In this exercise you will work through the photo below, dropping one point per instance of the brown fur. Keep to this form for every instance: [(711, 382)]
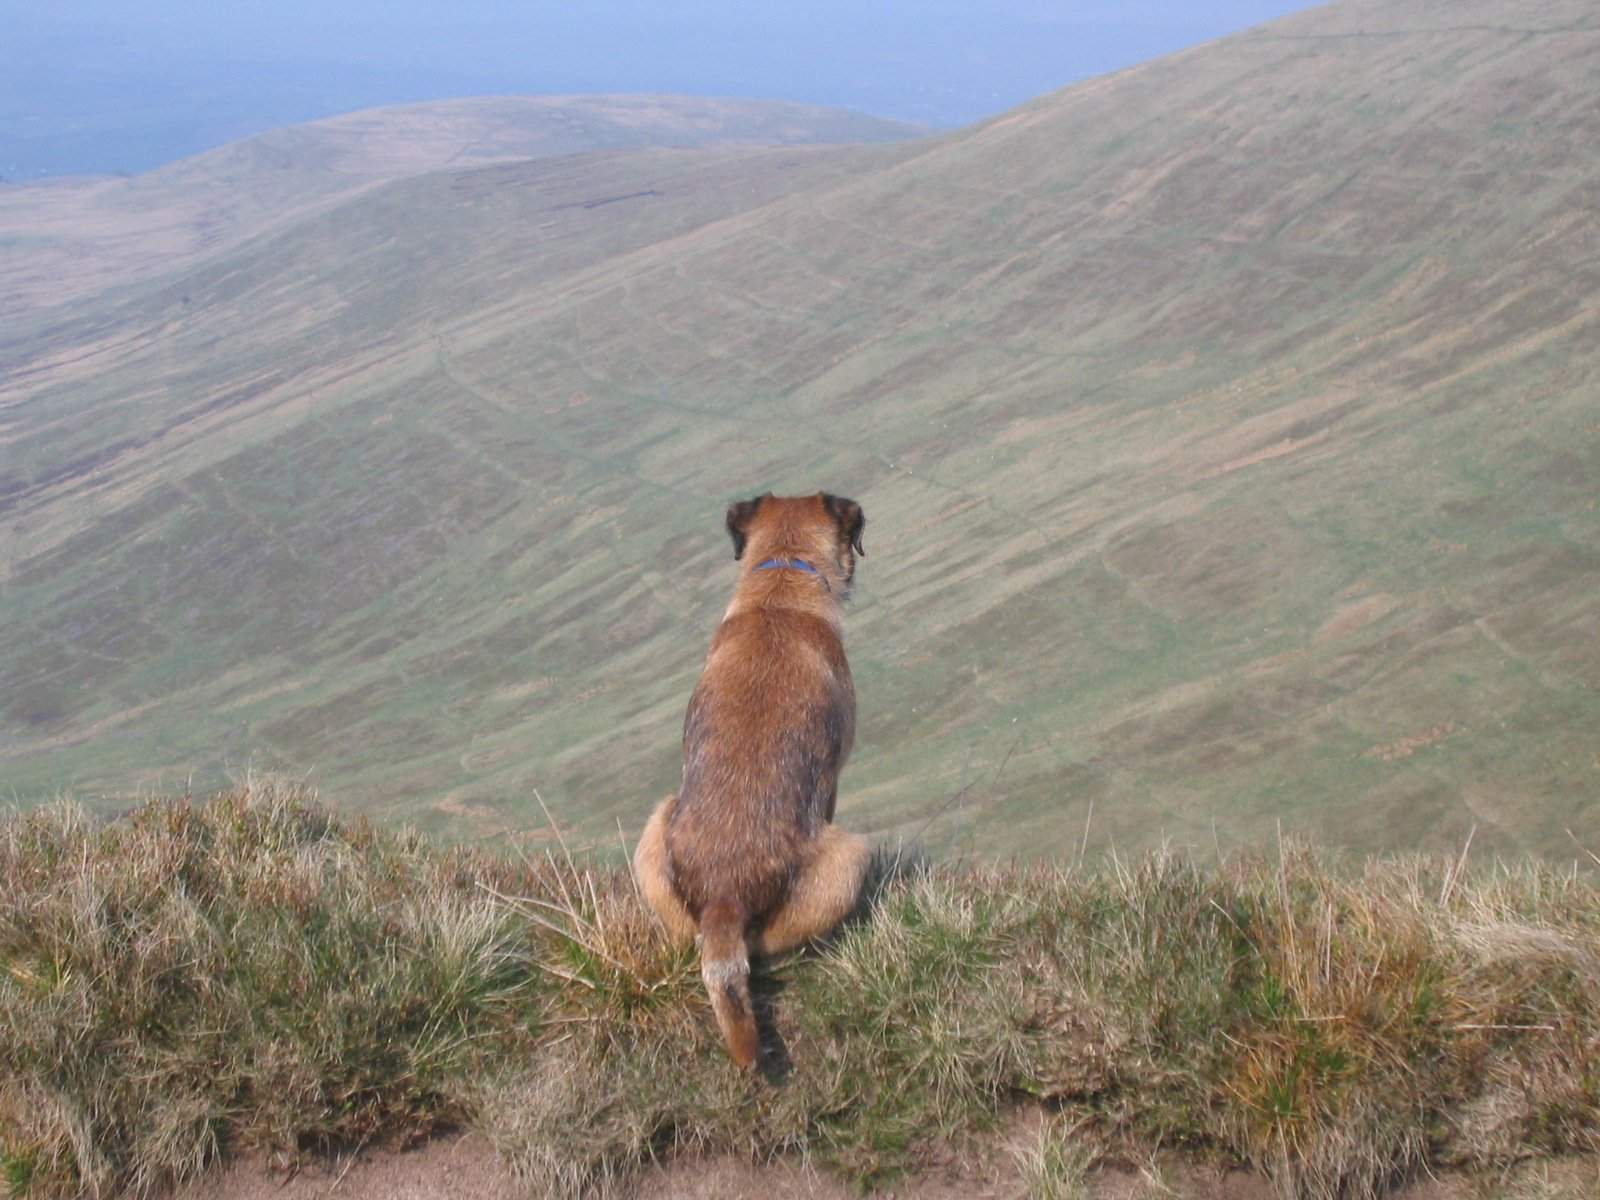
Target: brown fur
[(745, 854)]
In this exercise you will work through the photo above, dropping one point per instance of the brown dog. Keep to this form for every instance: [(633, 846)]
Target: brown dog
[(745, 853)]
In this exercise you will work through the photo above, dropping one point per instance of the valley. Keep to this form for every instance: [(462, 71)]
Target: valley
[(1226, 429)]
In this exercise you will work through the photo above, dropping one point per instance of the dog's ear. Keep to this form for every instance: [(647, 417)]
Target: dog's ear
[(739, 517), (847, 515)]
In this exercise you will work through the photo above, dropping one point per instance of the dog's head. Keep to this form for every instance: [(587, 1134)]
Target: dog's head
[(818, 530)]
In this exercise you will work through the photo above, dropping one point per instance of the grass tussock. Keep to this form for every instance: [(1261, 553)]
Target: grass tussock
[(252, 972)]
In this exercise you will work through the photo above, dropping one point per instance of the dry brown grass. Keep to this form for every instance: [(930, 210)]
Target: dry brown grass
[(252, 972)]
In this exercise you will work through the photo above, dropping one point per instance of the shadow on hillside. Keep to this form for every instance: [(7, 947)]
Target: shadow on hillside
[(889, 865), (774, 1062)]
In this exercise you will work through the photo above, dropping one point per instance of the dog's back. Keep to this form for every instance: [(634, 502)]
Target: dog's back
[(766, 735)]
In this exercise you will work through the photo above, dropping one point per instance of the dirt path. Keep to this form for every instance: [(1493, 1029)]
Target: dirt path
[(465, 1167), (446, 1168)]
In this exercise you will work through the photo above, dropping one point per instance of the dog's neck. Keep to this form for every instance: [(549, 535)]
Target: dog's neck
[(786, 581), (793, 564)]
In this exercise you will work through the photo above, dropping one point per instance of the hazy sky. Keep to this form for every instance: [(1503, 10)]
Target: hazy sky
[(104, 85)]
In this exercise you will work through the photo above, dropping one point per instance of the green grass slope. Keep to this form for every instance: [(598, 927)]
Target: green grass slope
[(252, 973), (70, 237), (1226, 429)]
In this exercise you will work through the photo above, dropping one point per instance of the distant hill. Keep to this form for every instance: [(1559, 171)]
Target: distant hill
[(1226, 429), (65, 238)]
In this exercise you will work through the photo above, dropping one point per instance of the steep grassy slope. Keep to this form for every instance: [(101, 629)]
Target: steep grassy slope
[(1226, 429), (67, 238), (112, 404)]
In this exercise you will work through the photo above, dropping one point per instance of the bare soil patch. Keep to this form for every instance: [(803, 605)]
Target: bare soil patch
[(466, 1167), (462, 1167)]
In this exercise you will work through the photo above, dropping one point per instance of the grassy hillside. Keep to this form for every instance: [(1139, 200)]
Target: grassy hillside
[(71, 237), (253, 973), (1226, 430)]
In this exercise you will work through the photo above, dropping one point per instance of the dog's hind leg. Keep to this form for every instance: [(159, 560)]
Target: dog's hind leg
[(655, 879), (822, 894)]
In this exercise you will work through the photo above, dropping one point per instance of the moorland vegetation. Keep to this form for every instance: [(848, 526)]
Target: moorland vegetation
[(251, 971)]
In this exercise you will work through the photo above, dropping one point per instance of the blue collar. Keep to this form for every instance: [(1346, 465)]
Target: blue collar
[(779, 564)]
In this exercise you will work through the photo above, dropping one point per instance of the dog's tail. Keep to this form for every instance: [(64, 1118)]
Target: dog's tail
[(725, 967)]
